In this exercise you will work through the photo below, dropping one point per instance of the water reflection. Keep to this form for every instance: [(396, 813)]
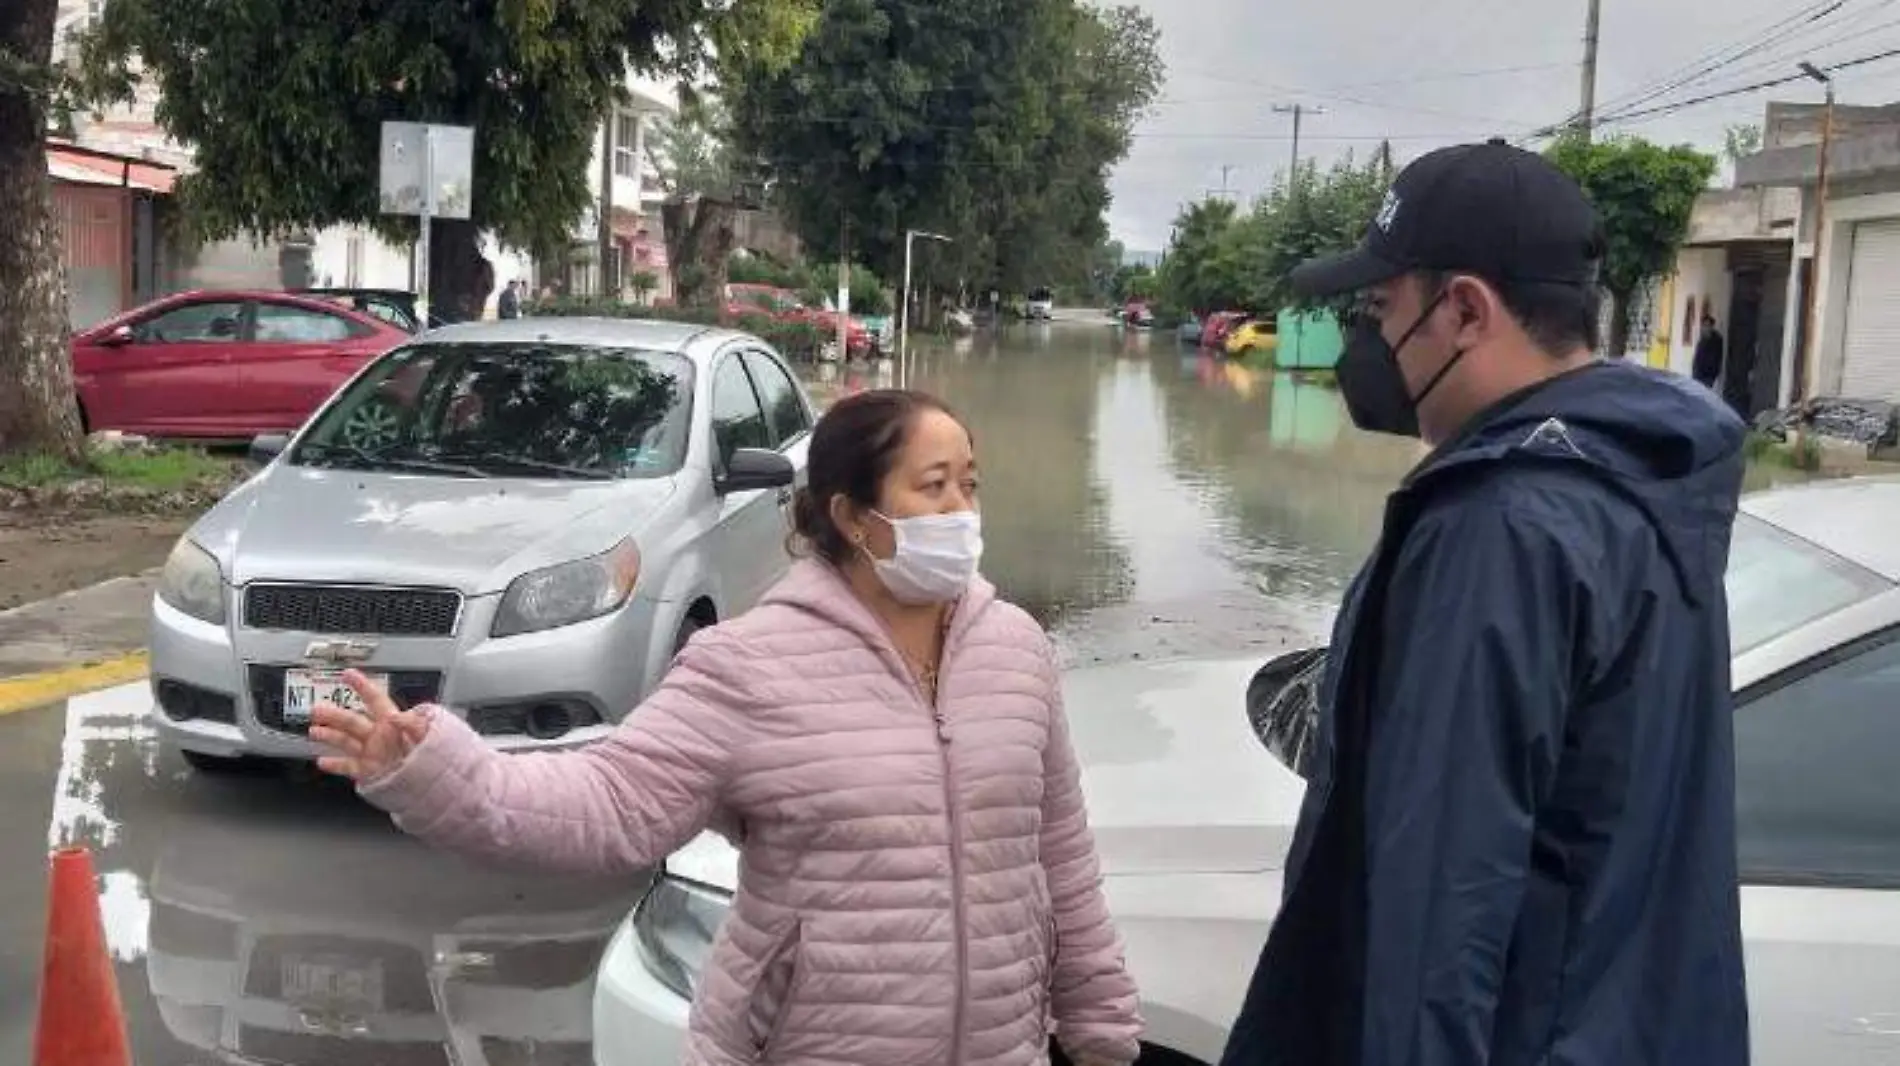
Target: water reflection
[(386, 952), (1145, 499)]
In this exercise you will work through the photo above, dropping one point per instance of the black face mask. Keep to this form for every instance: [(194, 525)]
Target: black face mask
[(1374, 386)]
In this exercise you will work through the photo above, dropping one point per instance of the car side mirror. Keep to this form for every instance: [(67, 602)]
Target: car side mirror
[(751, 469), (1283, 704), (118, 338), (266, 447)]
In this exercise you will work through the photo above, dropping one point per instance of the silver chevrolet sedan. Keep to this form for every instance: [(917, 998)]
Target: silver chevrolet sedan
[(523, 521)]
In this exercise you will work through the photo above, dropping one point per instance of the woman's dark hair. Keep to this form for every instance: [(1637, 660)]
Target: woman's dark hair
[(853, 448)]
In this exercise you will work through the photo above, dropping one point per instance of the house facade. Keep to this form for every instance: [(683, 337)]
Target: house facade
[(352, 256), (1851, 346)]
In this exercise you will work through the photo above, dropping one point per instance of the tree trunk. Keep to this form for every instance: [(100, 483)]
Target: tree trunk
[(700, 237), (38, 412), (461, 279), (1619, 324)]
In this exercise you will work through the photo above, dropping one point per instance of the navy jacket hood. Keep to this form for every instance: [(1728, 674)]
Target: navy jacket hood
[(1670, 445)]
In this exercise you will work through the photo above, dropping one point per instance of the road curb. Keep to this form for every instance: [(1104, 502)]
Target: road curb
[(52, 686)]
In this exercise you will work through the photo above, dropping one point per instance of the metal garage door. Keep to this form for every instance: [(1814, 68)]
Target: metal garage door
[(1871, 354)]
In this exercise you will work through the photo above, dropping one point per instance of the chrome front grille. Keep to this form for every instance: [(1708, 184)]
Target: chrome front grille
[(350, 610)]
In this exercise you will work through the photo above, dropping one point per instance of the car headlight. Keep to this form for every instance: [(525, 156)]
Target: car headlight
[(674, 927), (569, 593), (192, 583)]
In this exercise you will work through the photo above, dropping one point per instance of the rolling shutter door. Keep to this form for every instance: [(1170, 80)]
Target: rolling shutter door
[(1871, 352)]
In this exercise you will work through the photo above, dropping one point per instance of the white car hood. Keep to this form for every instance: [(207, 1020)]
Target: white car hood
[(1176, 780)]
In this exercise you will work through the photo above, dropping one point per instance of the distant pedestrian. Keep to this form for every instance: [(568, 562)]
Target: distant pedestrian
[(1518, 846), (509, 304), (884, 740), (1710, 353)]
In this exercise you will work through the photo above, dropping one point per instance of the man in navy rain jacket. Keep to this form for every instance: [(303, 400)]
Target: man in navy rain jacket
[(1518, 845)]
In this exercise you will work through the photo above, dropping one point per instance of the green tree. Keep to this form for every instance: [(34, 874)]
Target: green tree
[(992, 121), (705, 182), (37, 411), (1740, 140), (1645, 194), (283, 101), (1224, 260)]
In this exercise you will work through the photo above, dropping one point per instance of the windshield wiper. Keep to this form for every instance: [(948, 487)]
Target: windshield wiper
[(405, 464), (523, 462)]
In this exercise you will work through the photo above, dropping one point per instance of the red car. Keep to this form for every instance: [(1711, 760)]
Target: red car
[(1216, 327), (222, 365), (784, 305)]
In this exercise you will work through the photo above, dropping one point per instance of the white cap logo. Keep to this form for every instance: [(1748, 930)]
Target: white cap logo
[(1388, 212)]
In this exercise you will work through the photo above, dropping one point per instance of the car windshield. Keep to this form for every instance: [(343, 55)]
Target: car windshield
[(1778, 582), (510, 410)]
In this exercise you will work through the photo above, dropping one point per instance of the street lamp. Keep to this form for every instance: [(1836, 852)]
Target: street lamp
[(1810, 354), (903, 312)]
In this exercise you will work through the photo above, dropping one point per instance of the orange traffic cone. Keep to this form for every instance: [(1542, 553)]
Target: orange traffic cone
[(81, 1022)]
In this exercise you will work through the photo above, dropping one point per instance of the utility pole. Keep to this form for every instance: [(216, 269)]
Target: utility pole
[(1223, 192), (903, 307), (844, 291), (1587, 107), (1298, 111), (1811, 353)]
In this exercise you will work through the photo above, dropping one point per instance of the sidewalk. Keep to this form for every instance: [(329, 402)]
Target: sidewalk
[(81, 640)]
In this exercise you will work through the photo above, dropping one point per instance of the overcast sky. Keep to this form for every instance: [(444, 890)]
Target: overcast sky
[(1434, 72)]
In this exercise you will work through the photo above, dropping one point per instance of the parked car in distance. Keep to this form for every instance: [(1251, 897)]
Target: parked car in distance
[(1252, 335), (520, 520), (785, 306), (1194, 775), (221, 365), (1041, 306), (1137, 313), (394, 306), (1189, 331), (1216, 327)]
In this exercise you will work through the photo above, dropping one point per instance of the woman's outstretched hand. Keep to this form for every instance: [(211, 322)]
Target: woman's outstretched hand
[(366, 745)]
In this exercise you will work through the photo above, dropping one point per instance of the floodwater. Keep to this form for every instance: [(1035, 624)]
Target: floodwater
[(1148, 500)]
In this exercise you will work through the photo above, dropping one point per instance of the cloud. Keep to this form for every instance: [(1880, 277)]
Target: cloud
[(1433, 72)]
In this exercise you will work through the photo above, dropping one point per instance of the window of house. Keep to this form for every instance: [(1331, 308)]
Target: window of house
[(627, 145)]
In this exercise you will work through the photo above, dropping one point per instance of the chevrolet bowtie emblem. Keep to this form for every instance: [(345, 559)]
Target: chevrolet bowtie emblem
[(340, 652)]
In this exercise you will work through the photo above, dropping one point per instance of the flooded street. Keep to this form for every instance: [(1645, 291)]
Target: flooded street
[(1143, 500)]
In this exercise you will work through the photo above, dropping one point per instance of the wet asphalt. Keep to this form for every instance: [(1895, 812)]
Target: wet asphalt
[(217, 893)]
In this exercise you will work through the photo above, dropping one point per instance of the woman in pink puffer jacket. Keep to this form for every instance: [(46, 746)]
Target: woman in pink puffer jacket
[(885, 740)]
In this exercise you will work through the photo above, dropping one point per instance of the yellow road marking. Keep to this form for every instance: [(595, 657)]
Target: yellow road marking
[(37, 690)]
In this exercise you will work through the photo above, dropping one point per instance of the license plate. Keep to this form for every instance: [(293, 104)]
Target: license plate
[(332, 984), (304, 689)]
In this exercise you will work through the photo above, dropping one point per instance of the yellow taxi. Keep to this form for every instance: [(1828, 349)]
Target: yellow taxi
[(1253, 335)]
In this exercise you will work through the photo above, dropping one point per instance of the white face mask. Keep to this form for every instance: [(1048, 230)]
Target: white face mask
[(936, 557)]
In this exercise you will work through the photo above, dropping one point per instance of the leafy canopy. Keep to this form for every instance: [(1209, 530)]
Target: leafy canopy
[(283, 100), (991, 121), (1644, 193)]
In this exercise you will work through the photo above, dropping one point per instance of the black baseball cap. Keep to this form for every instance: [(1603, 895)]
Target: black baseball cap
[(1489, 209)]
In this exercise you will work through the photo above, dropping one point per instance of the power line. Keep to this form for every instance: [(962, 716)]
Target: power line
[(1671, 108), (1676, 77), (1775, 37), (1817, 46)]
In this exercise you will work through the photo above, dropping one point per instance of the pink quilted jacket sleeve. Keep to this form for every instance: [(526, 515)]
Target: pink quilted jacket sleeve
[(619, 805), (1096, 1005)]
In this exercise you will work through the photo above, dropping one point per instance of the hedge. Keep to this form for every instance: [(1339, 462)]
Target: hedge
[(800, 341)]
